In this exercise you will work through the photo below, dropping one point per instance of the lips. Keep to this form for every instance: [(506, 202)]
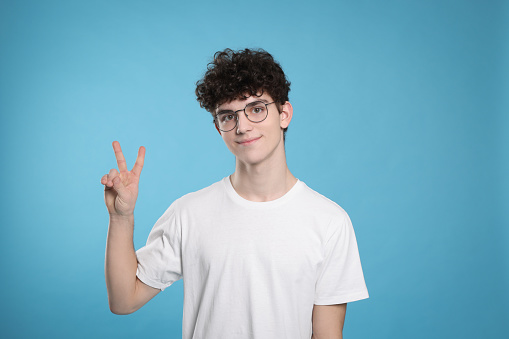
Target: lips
[(247, 141)]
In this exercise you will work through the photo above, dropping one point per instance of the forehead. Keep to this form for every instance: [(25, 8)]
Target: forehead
[(240, 103)]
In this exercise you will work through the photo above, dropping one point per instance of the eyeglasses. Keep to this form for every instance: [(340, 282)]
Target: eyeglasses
[(255, 111)]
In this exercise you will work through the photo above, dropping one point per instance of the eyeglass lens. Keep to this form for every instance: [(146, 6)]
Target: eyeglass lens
[(255, 111)]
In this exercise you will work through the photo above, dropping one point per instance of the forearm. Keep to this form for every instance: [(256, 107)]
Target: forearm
[(120, 264)]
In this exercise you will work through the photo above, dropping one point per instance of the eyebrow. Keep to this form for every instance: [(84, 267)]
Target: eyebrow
[(254, 101)]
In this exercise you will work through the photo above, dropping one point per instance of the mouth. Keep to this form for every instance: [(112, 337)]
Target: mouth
[(247, 141)]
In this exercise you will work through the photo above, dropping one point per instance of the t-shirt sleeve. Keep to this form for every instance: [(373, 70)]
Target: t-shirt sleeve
[(340, 277), (160, 260)]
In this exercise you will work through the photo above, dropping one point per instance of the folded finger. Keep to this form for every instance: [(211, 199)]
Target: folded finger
[(112, 175), (119, 187)]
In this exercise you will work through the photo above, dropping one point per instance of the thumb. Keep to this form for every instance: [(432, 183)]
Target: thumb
[(119, 186)]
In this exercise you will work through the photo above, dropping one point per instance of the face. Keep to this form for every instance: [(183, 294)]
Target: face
[(255, 142)]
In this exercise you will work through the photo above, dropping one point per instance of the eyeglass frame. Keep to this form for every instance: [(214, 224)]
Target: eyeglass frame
[(247, 116)]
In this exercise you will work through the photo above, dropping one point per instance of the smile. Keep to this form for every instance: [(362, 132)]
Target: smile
[(248, 141)]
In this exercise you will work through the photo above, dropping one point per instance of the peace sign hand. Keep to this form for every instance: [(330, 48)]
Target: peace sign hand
[(121, 188)]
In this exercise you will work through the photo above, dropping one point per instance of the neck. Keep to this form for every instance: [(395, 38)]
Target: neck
[(265, 181)]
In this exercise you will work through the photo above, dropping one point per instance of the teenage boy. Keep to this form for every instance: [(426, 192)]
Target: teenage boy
[(262, 255)]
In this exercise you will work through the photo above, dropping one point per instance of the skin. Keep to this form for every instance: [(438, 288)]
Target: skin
[(121, 187), (126, 293), (328, 321)]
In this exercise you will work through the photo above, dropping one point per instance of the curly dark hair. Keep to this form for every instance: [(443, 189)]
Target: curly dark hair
[(239, 74)]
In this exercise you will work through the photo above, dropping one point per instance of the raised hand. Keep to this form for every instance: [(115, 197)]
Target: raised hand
[(121, 187)]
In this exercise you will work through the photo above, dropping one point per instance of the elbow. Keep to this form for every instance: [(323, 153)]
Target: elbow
[(118, 311), (121, 309)]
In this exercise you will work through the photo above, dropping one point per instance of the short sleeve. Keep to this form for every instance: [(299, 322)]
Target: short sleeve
[(160, 260), (340, 277)]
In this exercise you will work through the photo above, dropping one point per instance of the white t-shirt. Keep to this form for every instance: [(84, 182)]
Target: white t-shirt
[(253, 269)]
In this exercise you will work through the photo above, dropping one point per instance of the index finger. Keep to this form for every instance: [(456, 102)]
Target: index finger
[(122, 166), (138, 165)]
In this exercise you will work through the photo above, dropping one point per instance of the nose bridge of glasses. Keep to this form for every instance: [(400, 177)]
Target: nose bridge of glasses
[(242, 119), (237, 112)]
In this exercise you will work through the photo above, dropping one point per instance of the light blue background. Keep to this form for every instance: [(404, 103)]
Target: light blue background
[(400, 116)]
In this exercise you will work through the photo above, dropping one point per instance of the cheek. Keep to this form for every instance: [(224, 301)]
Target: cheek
[(228, 142)]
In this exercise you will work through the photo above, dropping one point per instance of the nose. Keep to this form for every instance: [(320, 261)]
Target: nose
[(243, 124)]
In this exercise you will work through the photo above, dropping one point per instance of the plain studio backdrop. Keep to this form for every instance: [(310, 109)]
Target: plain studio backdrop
[(401, 116)]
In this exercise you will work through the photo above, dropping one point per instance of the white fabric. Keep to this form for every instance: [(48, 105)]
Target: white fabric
[(253, 269)]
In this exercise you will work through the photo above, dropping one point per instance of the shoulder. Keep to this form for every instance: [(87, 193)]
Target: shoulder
[(320, 203), (201, 197), (337, 219)]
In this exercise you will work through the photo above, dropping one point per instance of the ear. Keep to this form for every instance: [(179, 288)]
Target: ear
[(286, 114)]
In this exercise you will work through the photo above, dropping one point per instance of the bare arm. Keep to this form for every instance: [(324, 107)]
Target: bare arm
[(328, 321), (126, 293)]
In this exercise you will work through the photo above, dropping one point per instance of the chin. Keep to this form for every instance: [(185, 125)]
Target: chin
[(250, 160), (253, 158)]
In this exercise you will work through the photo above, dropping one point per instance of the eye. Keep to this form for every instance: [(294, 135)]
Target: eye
[(225, 117), (257, 108)]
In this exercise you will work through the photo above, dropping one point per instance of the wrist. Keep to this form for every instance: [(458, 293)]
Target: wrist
[(121, 217)]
